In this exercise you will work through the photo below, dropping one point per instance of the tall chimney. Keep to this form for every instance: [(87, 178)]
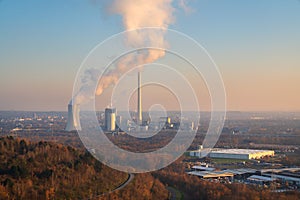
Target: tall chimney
[(139, 106)]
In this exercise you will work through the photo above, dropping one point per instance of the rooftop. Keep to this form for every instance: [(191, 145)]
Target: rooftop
[(241, 171), (261, 178), (208, 174), (295, 169), (203, 168), (239, 151)]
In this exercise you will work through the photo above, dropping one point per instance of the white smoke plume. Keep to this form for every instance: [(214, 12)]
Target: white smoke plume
[(136, 14), (86, 91)]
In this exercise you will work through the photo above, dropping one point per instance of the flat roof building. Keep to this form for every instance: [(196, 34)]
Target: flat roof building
[(285, 178), (260, 179), (245, 154), (202, 168), (209, 174)]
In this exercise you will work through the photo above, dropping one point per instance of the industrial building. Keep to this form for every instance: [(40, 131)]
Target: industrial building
[(210, 175), (203, 168), (245, 154), (200, 152), (278, 180), (110, 119), (197, 153), (260, 180), (290, 175), (248, 175)]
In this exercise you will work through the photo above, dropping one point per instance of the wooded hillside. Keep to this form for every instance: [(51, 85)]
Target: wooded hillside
[(46, 170)]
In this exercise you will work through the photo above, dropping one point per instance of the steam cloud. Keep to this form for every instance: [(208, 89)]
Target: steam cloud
[(135, 14)]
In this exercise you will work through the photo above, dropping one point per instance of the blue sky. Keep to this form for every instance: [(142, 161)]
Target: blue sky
[(256, 45)]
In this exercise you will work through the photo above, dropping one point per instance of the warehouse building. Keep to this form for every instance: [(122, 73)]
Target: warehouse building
[(211, 175), (245, 154), (261, 180)]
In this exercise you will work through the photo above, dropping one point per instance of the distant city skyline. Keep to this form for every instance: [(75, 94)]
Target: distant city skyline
[(254, 43)]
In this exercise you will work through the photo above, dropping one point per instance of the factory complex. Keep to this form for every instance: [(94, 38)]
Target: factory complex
[(248, 175)]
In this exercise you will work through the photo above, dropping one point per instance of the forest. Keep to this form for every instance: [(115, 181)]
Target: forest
[(47, 170)]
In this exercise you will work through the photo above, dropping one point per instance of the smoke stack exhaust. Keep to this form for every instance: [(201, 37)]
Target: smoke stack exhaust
[(73, 123), (139, 106)]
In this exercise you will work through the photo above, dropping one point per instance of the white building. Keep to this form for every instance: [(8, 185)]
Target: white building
[(245, 154), (198, 153)]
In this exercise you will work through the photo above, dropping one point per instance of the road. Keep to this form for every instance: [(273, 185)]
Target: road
[(129, 179), (173, 193)]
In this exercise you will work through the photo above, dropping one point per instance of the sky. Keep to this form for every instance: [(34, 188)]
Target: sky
[(256, 45)]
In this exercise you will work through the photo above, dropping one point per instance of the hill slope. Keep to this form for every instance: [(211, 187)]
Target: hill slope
[(47, 170)]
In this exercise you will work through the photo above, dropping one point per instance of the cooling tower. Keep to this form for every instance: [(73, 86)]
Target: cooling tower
[(139, 106), (73, 118)]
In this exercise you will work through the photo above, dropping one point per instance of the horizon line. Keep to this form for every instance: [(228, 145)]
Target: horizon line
[(242, 111)]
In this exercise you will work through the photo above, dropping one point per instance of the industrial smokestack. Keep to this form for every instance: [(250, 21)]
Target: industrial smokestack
[(73, 123), (139, 106)]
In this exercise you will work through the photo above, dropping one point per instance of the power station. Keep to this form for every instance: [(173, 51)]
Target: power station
[(111, 118), (112, 121)]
